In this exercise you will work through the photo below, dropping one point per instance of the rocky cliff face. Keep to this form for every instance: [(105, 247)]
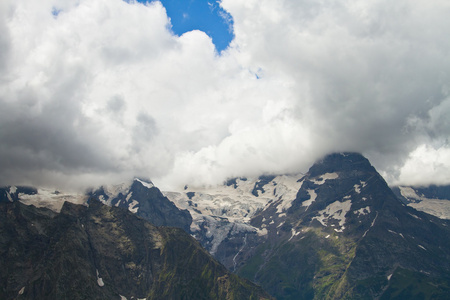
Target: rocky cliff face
[(102, 252), (222, 214), (146, 201), (346, 235)]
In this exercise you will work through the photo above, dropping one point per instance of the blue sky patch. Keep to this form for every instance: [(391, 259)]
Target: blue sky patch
[(203, 15)]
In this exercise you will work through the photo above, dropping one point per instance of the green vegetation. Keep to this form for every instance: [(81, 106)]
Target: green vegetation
[(252, 266), (406, 284), (66, 258), (308, 268)]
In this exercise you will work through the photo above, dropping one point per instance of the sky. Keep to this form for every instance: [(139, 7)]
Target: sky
[(207, 16), (99, 91)]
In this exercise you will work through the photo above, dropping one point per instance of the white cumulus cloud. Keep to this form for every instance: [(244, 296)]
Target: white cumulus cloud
[(99, 90)]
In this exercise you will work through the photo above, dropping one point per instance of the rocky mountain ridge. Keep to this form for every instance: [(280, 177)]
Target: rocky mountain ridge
[(346, 235), (222, 215), (146, 201), (103, 252), (337, 231)]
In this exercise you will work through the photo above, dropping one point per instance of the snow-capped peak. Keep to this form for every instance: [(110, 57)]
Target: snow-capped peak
[(148, 184)]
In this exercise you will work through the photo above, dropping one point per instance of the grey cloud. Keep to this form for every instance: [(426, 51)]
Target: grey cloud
[(131, 98), (143, 132), (116, 104), (370, 68), (55, 138)]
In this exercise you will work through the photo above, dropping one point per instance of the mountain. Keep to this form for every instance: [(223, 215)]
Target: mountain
[(103, 252), (222, 214), (336, 232), (11, 193), (219, 217), (146, 201), (347, 236), (433, 199), (40, 197)]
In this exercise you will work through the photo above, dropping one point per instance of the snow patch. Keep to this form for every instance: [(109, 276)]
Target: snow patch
[(409, 193), (414, 216), (327, 176), (437, 207), (389, 277), (51, 199), (327, 236), (312, 198), (99, 280), (371, 225), (148, 185), (262, 232), (129, 196), (224, 209), (294, 233), (9, 197), (358, 187), (123, 297), (373, 222), (224, 201), (208, 205), (112, 191), (12, 190), (362, 211), (420, 246), (286, 190), (22, 290), (133, 206), (336, 210)]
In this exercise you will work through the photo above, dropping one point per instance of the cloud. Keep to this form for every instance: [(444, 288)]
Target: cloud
[(361, 70), (103, 90), (426, 165)]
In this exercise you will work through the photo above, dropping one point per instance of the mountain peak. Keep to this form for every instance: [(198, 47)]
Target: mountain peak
[(145, 200), (344, 161), (145, 182), (350, 236)]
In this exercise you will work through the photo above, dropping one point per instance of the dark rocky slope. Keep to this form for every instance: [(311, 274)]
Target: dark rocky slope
[(347, 236), (102, 252), (148, 202)]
